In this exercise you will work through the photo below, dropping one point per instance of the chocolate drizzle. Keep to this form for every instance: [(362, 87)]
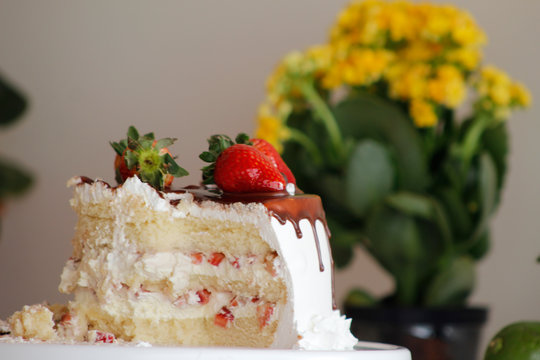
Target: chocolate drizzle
[(298, 207), (281, 205)]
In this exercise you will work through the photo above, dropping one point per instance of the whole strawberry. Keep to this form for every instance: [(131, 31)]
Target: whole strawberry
[(244, 166), (147, 158)]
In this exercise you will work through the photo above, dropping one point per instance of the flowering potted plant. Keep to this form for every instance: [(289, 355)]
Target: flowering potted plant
[(369, 120)]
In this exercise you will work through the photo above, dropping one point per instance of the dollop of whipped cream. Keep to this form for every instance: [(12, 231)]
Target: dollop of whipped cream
[(327, 333)]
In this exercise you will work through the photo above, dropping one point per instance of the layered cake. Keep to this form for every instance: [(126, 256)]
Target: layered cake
[(243, 260)]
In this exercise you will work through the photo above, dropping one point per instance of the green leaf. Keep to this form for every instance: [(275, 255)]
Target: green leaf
[(395, 240), (173, 168), (13, 180), (154, 179), (133, 133), (131, 159), (412, 204), (452, 285), (118, 148), (12, 103), (163, 143), (242, 138), (208, 157), (495, 142), (369, 176), (365, 116), (481, 247), (487, 190), (457, 212), (146, 143), (425, 207), (149, 135)]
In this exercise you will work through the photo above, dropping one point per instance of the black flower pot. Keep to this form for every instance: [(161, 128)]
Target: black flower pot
[(429, 333)]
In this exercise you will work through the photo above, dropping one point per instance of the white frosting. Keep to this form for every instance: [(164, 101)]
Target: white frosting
[(319, 326), (330, 332), (308, 320)]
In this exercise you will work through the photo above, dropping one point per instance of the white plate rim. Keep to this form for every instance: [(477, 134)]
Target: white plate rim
[(45, 351)]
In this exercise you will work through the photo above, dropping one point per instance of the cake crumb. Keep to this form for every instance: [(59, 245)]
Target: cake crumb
[(35, 321)]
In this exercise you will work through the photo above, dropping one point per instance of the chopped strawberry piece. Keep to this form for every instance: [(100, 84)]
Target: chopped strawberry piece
[(235, 263), (196, 258), (104, 337), (66, 318), (255, 299), (264, 313), (237, 301), (180, 301), (224, 317), (271, 269), (204, 296), (216, 258)]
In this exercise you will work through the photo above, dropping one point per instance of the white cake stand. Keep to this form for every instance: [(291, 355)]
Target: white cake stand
[(363, 351)]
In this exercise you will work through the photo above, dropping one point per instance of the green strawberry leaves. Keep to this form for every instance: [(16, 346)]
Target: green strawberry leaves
[(148, 158)]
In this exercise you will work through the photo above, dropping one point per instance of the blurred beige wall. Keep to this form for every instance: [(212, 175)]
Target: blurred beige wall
[(190, 69)]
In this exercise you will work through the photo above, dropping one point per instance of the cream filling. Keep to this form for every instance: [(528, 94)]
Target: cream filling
[(160, 285), (156, 306), (105, 272)]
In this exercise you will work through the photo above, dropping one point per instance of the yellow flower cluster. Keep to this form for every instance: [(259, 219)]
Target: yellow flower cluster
[(380, 23), (498, 93), (430, 50), (422, 55)]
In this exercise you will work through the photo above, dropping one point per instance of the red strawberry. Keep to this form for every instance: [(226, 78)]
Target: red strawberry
[(121, 168), (216, 258), (224, 317), (204, 296), (66, 318), (235, 263), (104, 337), (244, 165), (242, 168), (264, 313), (196, 258), (267, 149)]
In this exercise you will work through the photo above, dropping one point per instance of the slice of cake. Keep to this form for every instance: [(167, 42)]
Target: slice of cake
[(196, 266)]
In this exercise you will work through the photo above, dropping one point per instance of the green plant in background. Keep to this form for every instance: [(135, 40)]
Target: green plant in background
[(369, 122), (14, 180)]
